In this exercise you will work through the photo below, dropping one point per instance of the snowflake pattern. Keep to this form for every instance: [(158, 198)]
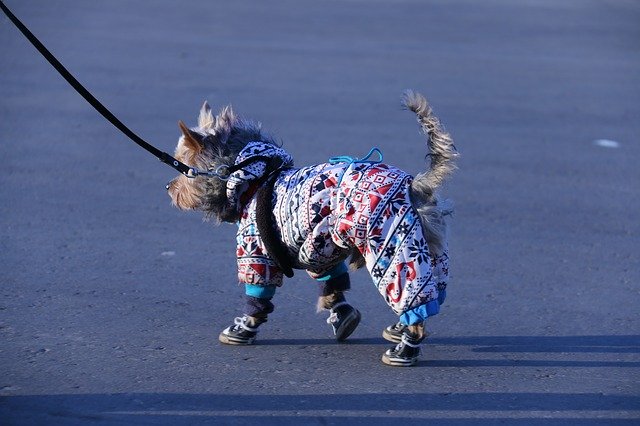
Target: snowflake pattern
[(420, 252)]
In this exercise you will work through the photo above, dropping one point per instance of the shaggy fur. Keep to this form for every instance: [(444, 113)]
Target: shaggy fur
[(423, 189), (216, 141)]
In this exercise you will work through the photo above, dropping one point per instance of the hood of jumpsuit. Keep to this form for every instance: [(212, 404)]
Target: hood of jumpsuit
[(242, 179)]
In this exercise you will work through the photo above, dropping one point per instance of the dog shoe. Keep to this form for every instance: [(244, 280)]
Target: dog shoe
[(393, 333), (242, 332), (405, 354), (344, 318)]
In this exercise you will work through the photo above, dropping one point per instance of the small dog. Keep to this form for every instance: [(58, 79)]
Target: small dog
[(317, 217)]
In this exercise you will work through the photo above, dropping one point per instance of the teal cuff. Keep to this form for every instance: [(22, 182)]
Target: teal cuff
[(336, 271), (261, 292)]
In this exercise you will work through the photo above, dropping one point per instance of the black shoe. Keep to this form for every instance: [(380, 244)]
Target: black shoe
[(243, 332), (344, 318), (405, 354), (393, 333)]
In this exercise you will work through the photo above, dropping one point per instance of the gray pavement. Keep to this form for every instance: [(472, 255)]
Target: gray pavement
[(112, 300)]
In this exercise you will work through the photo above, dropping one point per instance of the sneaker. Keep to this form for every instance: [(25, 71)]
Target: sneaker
[(405, 354), (243, 332), (344, 318), (393, 333)]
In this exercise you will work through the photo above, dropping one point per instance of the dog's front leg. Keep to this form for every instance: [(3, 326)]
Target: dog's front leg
[(257, 308)]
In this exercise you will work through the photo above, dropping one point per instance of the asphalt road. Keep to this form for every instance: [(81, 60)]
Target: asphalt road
[(112, 300)]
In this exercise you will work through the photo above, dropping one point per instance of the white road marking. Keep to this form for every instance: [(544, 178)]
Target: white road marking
[(606, 143), (604, 414)]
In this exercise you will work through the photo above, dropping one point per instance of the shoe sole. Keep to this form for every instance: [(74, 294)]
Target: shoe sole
[(399, 362), (348, 326), (227, 340)]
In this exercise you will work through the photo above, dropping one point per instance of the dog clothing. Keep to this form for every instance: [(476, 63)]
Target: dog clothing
[(324, 211)]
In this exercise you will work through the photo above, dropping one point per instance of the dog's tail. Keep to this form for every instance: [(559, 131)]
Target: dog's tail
[(441, 148), (442, 152)]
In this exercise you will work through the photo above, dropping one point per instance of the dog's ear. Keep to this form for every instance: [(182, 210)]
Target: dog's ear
[(192, 140), (206, 120), (225, 122)]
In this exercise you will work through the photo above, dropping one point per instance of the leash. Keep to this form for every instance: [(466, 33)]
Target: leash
[(190, 172)]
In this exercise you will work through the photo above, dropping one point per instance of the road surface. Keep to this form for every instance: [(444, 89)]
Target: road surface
[(112, 300)]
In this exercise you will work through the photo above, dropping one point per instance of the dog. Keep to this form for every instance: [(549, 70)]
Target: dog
[(318, 217)]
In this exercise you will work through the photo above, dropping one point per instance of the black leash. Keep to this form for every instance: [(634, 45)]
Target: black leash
[(162, 156)]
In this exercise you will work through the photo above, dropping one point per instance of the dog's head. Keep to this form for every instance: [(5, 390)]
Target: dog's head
[(216, 141)]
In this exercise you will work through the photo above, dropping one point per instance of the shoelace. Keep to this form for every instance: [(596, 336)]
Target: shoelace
[(333, 316), (242, 323), (405, 341), (398, 327)]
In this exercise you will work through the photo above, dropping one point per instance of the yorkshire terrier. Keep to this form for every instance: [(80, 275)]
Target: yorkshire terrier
[(317, 217)]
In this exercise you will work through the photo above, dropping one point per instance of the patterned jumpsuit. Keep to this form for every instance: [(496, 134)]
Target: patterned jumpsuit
[(325, 210)]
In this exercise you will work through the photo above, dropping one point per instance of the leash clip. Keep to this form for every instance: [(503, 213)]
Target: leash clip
[(222, 173)]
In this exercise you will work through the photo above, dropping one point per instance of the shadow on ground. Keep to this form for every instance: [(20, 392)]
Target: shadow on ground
[(460, 408), (172, 408), (566, 345), (553, 344), (358, 402)]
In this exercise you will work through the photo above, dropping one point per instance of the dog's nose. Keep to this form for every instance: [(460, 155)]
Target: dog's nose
[(168, 186)]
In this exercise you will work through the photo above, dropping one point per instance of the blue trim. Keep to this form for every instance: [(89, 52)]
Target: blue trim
[(261, 292), (421, 313), (442, 295), (336, 271)]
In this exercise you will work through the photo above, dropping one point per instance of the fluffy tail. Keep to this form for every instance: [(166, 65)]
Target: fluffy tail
[(432, 211), (441, 148)]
